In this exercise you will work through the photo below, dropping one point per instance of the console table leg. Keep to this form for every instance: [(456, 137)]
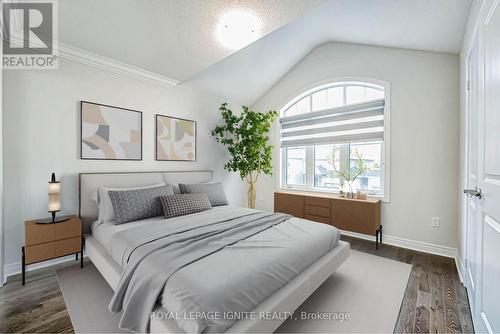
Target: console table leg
[(23, 266), (76, 256), (81, 253), (378, 237)]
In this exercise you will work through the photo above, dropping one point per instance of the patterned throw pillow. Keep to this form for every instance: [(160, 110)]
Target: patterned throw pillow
[(214, 191), (184, 204), (130, 205)]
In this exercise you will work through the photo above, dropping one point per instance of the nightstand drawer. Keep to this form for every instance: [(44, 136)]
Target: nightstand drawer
[(40, 252), (68, 246), (71, 228), (39, 233)]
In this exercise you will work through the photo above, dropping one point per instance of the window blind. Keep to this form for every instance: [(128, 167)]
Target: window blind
[(353, 123)]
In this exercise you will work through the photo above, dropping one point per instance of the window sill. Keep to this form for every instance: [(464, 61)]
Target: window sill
[(316, 191)]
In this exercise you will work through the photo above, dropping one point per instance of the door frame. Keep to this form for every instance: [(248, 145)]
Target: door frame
[(465, 207), (2, 243)]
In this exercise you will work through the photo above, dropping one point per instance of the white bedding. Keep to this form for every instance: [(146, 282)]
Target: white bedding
[(237, 270), (104, 231), (238, 276)]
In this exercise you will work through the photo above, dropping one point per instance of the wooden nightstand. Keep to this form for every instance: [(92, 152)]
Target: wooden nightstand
[(48, 241)]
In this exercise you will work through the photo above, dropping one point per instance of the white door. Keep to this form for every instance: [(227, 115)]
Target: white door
[(485, 222), (472, 147)]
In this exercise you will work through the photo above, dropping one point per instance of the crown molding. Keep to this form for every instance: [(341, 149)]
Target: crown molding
[(69, 52), (84, 57)]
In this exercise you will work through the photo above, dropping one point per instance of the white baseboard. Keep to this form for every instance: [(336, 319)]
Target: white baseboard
[(460, 267), (16, 268), (409, 244)]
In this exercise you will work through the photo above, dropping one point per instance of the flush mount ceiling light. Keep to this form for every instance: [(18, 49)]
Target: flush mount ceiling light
[(236, 29)]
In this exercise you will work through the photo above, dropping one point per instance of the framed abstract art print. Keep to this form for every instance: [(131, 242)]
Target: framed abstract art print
[(110, 133), (175, 139)]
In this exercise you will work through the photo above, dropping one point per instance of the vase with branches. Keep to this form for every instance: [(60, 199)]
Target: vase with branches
[(246, 138), (347, 172)]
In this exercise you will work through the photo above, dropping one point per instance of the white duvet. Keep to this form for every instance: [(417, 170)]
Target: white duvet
[(208, 294)]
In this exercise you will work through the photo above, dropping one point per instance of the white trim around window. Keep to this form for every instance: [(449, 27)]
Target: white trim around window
[(280, 155)]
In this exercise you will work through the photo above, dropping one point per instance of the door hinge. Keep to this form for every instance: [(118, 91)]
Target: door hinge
[(468, 84)]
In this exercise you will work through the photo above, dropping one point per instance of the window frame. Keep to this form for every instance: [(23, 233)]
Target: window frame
[(285, 172), (311, 92), (310, 158)]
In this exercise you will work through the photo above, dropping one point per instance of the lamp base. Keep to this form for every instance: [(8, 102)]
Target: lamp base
[(53, 220)]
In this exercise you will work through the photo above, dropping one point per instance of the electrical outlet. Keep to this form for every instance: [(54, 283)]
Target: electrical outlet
[(436, 222)]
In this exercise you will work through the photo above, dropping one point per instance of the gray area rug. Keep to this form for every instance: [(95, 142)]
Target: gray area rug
[(364, 295)]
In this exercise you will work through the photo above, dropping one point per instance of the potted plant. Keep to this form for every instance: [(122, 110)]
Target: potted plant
[(348, 173), (246, 138)]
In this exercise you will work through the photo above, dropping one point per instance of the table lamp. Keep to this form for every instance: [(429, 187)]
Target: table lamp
[(54, 202)]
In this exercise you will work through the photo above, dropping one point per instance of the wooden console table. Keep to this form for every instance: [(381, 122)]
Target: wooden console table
[(349, 214)]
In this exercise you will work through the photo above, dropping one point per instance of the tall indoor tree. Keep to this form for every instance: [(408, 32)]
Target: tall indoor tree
[(246, 138)]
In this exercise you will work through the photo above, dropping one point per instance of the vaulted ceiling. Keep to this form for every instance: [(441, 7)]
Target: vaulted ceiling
[(176, 38), (429, 25)]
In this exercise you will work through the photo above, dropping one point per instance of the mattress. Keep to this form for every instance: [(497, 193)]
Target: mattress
[(239, 277), (104, 231)]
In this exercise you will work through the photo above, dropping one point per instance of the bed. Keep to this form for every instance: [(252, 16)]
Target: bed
[(219, 277)]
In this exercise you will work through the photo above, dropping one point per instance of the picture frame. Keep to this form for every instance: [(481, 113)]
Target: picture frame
[(175, 138), (110, 133)]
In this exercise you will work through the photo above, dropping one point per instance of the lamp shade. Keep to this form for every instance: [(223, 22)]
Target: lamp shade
[(54, 188), (54, 202), (54, 194)]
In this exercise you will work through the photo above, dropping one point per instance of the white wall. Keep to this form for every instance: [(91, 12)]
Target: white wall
[(41, 135), (424, 131)]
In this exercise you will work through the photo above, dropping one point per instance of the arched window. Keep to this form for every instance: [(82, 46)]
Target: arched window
[(329, 128), (332, 96)]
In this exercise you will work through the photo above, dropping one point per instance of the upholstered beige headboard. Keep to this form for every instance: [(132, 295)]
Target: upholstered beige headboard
[(89, 182)]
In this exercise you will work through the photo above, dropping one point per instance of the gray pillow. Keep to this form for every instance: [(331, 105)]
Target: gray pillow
[(130, 205), (214, 191), (184, 204)]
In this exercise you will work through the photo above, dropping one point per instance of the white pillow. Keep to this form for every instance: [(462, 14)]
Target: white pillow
[(106, 212), (95, 197)]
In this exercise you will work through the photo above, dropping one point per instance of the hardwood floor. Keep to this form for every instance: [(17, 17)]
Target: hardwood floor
[(435, 301), (37, 307)]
